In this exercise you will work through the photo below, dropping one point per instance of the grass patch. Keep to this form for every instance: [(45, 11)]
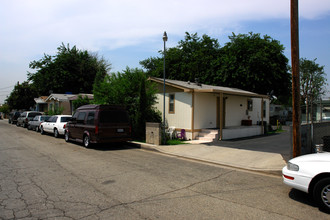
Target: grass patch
[(276, 131)]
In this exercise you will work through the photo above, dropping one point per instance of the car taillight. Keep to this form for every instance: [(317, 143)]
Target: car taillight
[(64, 126), (96, 129)]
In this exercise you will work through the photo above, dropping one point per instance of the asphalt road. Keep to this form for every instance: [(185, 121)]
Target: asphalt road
[(42, 177)]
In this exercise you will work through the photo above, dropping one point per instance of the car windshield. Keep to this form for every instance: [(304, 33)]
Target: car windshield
[(113, 116), (65, 119), (44, 118), (33, 114)]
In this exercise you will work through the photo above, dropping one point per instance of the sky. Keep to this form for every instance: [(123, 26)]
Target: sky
[(126, 32)]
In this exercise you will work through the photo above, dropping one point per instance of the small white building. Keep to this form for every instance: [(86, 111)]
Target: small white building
[(201, 109)]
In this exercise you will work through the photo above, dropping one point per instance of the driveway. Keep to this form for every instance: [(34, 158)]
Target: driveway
[(274, 143)]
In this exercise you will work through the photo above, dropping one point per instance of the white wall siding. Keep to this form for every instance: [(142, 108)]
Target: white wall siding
[(182, 113), (205, 110), (235, 110), (256, 113)]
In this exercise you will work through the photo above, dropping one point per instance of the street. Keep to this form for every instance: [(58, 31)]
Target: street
[(42, 177)]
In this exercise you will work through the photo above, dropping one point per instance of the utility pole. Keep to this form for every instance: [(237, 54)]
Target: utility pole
[(296, 135)]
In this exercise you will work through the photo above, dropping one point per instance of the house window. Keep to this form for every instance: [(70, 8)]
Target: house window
[(172, 104), (250, 105), (56, 106), (50, 107)]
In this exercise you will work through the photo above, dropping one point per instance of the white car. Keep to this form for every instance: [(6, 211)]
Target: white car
[(311, 174), (55, 125)]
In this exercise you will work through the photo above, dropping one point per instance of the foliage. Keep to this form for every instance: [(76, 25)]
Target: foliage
[(132, 89), (312, 82), (194, 57), (22, 96), (5, 108), (174, 142), (81, 101), (57, 111), (70, 70), (247, 62), (256, 64)]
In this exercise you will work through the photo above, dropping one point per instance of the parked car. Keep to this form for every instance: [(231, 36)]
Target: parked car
[(35, 123), (13, 116), (25, 117), (55, 124), (310, 174), (99, 124)]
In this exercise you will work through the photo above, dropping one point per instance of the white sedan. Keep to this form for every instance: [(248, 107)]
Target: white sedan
[(55, 125), (311, 174)]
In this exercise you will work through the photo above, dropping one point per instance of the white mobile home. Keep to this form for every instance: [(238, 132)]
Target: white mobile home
[(199, 108)]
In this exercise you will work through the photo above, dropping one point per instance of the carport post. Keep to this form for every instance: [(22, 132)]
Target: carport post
[(262, 115), (221, 116)]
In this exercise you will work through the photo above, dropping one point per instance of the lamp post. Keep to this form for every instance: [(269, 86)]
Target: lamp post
[(164, 135)]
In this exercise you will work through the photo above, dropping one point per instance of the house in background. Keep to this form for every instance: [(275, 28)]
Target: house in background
[(212, 112), (58, 101), (75, 97), (41, 104)]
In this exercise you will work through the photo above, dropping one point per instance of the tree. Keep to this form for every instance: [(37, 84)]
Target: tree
[(247, 62), (194, 57), (5, 108), (132, 89), (256, 64), (81, 101), (22, 96), (70, 70), (312, 83)]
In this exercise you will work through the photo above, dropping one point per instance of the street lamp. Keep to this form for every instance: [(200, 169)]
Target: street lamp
[(164, 135)]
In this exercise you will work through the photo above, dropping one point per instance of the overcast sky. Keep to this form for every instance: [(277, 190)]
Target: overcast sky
[(125, 32)]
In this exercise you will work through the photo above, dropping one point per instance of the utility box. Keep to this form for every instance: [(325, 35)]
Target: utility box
[(153, 133)]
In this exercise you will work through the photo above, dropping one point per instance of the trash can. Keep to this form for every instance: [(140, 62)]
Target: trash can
[(326, 143)]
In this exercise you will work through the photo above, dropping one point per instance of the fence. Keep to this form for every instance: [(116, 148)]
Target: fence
[(312, 135)]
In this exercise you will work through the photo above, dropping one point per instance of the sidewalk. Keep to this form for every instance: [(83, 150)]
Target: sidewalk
[(264, 154)]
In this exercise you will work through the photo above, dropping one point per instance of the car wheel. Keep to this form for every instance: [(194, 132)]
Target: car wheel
[(56, 134), (66, 136), (322, 193), (42, 130), (86, 141)]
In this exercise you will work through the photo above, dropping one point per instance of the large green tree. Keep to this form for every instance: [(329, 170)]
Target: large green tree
[(312, 82), (130, 88), (248, 61), (22, 96), (194, 57), (255, 63), (70, 70)]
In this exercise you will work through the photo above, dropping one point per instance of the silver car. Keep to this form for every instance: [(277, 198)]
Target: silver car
[(35, 123)]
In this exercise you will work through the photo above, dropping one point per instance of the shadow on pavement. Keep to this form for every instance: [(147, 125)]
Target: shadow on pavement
[(113, 146), (304, 198), (274, 143)]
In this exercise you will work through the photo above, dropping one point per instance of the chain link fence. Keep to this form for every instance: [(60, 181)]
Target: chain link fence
[(311, 135)]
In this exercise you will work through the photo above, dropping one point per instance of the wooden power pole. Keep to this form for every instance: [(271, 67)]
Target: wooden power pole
[(296, 135)]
